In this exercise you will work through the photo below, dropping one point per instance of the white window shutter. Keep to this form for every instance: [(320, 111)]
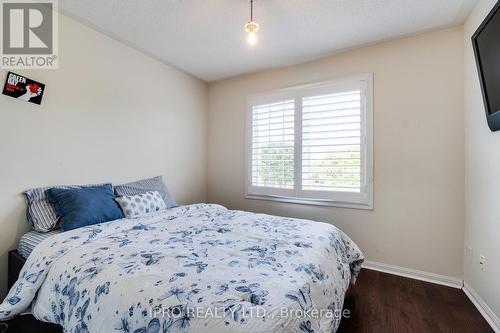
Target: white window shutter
[(331, 142), (313, 144), (272, 146)]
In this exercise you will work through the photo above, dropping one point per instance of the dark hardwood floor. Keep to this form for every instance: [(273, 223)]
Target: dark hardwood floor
[(387, 303), (382, 303)]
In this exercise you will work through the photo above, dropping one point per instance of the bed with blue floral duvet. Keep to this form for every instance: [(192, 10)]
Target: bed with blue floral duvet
[(196, 268)]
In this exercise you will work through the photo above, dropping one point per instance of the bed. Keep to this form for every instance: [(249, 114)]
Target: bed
[(196, 268)]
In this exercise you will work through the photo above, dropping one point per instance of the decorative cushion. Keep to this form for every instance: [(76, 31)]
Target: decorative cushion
[(40, 211), (80, 207), (140, 204), (146, 185)]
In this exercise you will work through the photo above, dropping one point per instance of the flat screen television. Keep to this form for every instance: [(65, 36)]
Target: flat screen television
[(486, 43)]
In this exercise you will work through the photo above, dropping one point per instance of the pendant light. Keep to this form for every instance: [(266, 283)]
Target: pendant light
[(251, 28)]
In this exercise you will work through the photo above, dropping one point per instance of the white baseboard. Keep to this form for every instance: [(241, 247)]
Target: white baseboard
[(483, 308), (414, 274)]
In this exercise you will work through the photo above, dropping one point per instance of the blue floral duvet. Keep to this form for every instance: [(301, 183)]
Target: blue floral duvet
[(197, 268)]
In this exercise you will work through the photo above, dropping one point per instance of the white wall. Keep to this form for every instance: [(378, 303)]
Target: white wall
[(418, 221), (109, 113), (482, 177)]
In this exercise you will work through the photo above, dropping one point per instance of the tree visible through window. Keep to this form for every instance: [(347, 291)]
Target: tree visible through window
[(276, 165), (337, 169)]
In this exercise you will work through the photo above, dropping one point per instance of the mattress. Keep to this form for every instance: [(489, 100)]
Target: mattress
[(31, 239)]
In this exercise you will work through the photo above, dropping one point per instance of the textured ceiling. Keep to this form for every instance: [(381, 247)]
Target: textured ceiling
[(206, 39)]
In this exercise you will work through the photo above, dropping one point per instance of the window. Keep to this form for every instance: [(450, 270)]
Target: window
[(312, 144)]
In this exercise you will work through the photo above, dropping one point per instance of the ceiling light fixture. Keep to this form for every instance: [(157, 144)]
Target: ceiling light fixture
[(251, 28)]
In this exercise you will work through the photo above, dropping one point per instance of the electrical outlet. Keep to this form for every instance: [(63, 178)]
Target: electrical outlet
[(468, 255), (482, 262)]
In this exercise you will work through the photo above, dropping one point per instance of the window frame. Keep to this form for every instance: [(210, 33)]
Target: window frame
[(361, 200)]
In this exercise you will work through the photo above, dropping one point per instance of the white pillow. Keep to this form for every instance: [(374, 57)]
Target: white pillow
[(140, 204)]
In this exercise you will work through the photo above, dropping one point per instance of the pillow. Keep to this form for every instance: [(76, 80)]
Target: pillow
[(145, 185), (40, 211), (79, 207), (140, 204)]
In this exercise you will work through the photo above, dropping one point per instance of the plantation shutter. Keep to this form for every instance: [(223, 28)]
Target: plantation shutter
[(331, 142), (273, 144), (313, 144)]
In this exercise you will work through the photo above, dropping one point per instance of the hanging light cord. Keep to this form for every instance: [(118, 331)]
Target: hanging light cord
[(251, 10)]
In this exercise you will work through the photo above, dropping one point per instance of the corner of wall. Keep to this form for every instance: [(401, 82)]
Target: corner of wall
[(482, 161)]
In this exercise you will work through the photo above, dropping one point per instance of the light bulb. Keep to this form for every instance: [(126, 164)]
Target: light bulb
[(252, 38)]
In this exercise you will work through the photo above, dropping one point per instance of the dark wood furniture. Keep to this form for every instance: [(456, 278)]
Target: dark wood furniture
[(16, 263)]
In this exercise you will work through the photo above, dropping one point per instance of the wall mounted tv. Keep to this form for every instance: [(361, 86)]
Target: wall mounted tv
[(486, 43)]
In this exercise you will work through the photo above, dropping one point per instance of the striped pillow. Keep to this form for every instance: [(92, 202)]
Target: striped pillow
[(40, 211), (146, 185)]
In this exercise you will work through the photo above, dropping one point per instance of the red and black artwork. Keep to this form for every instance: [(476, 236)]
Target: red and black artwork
[(22, 88)]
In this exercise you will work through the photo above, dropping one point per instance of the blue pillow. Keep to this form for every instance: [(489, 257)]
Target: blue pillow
[(79, 207)]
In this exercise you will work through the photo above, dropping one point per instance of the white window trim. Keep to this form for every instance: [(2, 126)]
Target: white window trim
[(293, 195)]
